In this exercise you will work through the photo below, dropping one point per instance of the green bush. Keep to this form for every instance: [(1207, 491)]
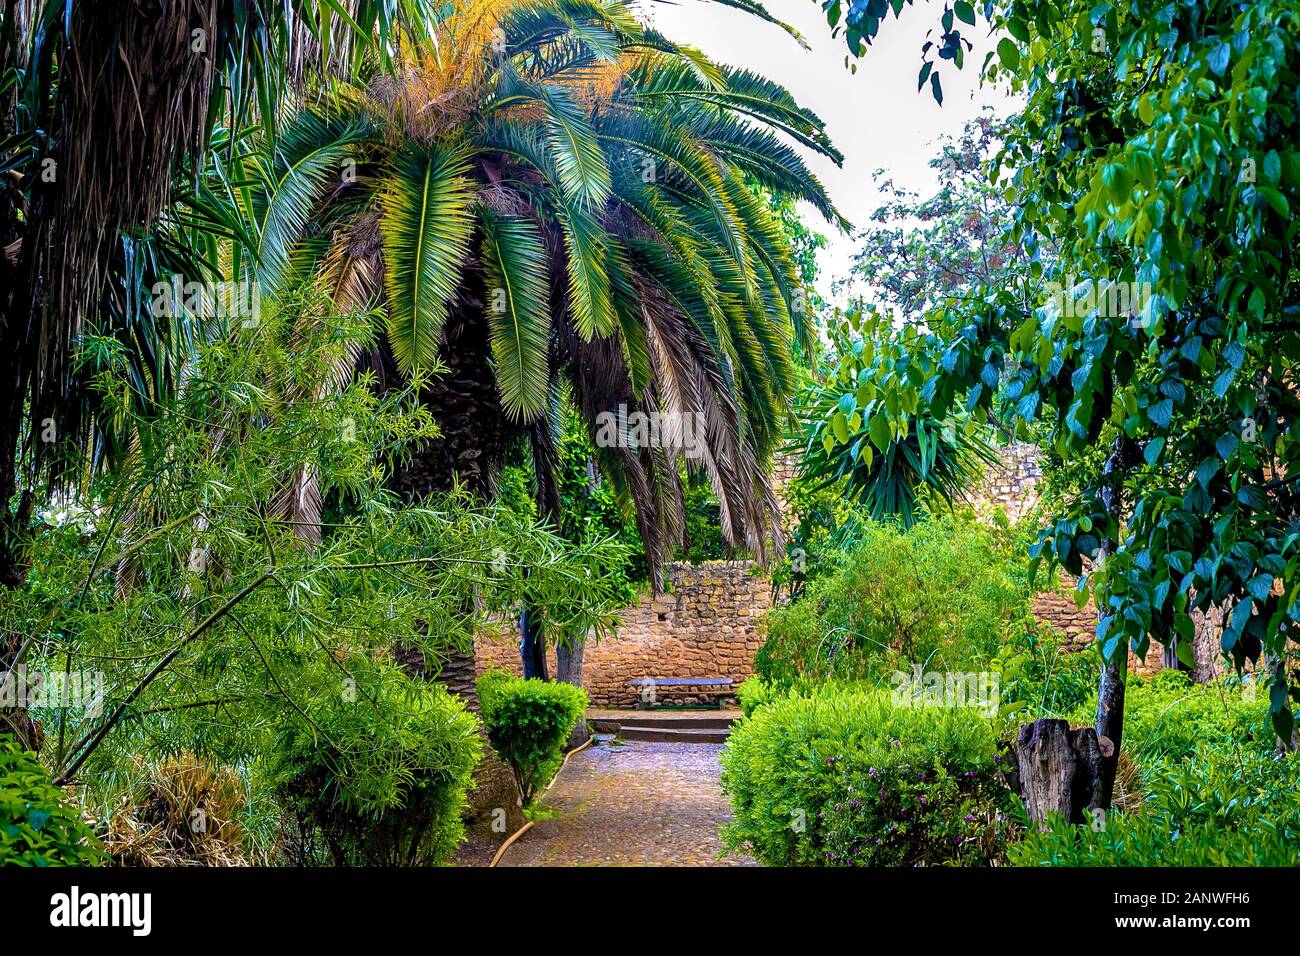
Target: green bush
[(377, 775), (528, 723), (1168, 716), (38, 827), (843, 776), (752, 693), (1043, 677), (1222, 807), (943, 593)]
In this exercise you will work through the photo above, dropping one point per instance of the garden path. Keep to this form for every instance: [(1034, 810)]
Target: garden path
[(635, 804)]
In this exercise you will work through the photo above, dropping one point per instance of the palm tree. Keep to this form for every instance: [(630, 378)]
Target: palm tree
[(554, 204)]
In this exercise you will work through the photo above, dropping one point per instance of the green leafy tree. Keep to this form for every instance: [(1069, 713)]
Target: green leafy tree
[(1156, 153), (210, 621)]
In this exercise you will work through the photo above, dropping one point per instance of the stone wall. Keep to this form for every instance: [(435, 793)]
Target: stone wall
[(1012, 483), (708, 625)]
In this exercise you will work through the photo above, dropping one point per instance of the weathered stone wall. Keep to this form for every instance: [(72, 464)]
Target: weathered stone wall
[(1012, 484), (708, 625)]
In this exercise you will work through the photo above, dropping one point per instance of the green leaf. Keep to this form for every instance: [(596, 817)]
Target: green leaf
[(965, 12), (1119, 182), (1151, 453), (840, 426), (1277, 200), (516, 269), (425, 231), (1009, 54), (879, 430)]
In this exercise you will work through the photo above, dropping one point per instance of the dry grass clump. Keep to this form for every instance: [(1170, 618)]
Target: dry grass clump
[(185, 815), (1128, 784)]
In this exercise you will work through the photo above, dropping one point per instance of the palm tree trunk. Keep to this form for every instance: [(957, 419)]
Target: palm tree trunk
[(475, 434), (532, 647)]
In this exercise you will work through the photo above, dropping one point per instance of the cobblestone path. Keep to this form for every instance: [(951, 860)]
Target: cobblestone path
[(639, 804)]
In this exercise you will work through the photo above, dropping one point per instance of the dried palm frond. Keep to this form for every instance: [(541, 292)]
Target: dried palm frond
[(185, 814)]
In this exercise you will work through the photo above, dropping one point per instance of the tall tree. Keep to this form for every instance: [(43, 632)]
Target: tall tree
[(1156, 151), (100, 104), (550, 206)]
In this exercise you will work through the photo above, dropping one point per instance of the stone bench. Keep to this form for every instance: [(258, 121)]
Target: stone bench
[(649, 689)]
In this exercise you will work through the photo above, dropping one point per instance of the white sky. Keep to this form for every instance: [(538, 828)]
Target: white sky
[(875, 117)]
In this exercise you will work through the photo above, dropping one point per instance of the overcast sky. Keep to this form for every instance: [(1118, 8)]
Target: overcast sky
[(875, 117)]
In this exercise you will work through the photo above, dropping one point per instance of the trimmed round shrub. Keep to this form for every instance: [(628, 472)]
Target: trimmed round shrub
[(378, 776), (38, 827), (528, 723), (844, 776)]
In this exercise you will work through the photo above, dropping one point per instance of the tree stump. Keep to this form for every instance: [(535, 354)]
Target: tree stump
[(1058, 770)]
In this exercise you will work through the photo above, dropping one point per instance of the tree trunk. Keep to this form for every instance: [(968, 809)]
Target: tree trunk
[(1110, 688), (1058, 770), (475, 433), (532, 647), (1110, 721), (568, 668)]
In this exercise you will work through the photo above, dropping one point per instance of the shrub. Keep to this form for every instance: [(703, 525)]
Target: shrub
[(1168, 716), (377, 777), (528, 723), (38, 827), (942, 593), (1042, 677), (752, 693), (1222, 807), (842, 776)]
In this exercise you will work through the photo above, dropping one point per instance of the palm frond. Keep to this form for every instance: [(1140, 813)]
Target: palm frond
[(426, 227), (516, 266)]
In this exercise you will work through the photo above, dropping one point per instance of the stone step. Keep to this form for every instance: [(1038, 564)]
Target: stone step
[(675, 735)]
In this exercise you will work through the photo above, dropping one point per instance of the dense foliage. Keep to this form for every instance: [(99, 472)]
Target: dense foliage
[(843, 776), (203, 609), (528, 723), (947, 591), (39, 826), (1155, 154), (1218, 810), (375, 774), (1207, 787)]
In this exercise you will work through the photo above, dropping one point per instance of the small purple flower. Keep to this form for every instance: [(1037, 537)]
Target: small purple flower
[(969, 818), (923, 798), (873, 772)]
